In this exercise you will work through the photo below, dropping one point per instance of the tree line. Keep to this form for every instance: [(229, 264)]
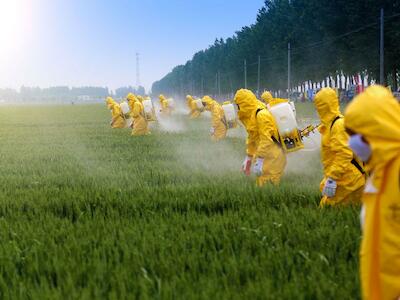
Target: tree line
[(327, 38)]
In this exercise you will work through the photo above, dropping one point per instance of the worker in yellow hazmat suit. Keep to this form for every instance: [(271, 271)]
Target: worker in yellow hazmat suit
[(271, 101), (166, 110), (194, 110), (140, 125), (117, 118), (344, 176), (263, 148), (218, 129), (373, 120)]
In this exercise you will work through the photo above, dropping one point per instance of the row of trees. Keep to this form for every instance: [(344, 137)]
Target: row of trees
[(65, 93), (327, 37)]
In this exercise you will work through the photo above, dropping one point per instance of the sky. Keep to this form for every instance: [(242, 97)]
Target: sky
[(94, 42)]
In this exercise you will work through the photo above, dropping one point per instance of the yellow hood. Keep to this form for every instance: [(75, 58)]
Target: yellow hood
[(131, 97), (131, 100), (189, 99), (162, 98), (261, 104), (247, 103), (327, 104), (110, 102), (375, 114), (266, 97), (208, 101)]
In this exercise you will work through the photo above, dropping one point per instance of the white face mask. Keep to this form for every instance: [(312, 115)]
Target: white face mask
[(360, 148)]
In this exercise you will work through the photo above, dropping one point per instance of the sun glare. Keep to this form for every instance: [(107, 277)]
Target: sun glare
[(13, 22)]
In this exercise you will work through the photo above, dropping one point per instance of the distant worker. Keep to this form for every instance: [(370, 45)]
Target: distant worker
[(195, 111), (263, 148), (140, 125), (117, 118), (218, 129), (344, 176), (166, 105), (373, 121), (271, 101)]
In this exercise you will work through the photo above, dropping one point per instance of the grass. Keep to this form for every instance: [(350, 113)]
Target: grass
[(90, 212)]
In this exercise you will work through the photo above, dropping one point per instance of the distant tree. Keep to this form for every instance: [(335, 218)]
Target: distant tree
[(323, 39), (140, 91)]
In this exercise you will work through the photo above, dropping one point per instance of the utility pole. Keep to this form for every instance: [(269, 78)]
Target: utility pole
[(381, 51), (258, 76), (288, 73), (137, 70), (245, 74)]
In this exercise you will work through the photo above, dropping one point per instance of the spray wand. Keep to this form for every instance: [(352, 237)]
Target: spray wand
[(308, 130)]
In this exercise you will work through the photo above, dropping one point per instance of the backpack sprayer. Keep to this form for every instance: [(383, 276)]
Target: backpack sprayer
[(229, 119), (290, 137), (199, 105), (149, 111), (126, 114)]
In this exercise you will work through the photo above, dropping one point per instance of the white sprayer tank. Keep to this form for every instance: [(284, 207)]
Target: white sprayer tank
[(230, 115), (199, 104), (284, 118), (148, 109), (229, 111), (148, 106), (125, 108), (293, 107)]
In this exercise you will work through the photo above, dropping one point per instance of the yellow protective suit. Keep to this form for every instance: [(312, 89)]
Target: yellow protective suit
[(194, 111), (131, 99), (375, 114), (117, 118), (271, 101), (140, 125), (262, 136), (338, 160), (217, 118), (165, 109)]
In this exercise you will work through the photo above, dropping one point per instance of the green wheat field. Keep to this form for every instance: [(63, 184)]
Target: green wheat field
[(88, 212)]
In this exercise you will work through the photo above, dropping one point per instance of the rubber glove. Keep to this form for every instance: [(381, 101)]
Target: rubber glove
[(246, 166), (258, 166), (329, 188)]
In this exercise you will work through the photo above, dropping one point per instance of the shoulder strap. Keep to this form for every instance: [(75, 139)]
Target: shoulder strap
[(353, 161), (258, 110), (358, 166), (334, 121)]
